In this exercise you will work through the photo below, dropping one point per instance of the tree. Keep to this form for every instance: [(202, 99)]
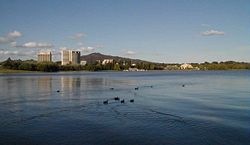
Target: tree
[(47, 67), (117, 67), (27, 66)]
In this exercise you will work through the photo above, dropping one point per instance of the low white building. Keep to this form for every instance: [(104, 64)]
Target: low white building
[(186, 66), (106, 61), (83, 62)]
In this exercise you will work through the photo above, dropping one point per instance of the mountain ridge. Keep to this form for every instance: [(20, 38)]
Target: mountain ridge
[(93, 57)]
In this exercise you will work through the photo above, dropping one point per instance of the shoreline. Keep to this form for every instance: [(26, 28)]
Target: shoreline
[(12, 71)]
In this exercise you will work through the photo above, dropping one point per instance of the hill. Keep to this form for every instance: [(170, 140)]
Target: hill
[(93, 57)]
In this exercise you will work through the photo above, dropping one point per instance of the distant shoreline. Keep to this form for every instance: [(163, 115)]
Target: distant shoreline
[(12, 71)]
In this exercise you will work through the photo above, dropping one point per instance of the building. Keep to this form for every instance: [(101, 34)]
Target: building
[(44, 57), (70, 57), (74, 57), (186, 66), (83, 62), (65, 57), (171, 67), (106, 61)]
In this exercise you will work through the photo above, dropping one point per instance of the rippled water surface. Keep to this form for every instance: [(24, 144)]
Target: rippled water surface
[(175, 108)]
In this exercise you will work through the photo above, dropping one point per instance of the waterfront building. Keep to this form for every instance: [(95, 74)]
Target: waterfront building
[(186, 66), (75, 57), (65, 57), (83, 62), (70, 57), (44, 57), (106, 61)]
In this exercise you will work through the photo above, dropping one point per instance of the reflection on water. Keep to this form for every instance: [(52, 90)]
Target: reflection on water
[(211, 108), (69, 83), (44, 84)]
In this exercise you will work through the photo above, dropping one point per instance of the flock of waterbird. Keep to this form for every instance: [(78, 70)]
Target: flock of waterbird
[(121, 100), (118, 99)]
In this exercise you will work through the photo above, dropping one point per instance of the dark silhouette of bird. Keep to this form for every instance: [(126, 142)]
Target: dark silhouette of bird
[(117, 98), (151, 86), (183, 85), (131, 100), (111, 88), (58, 91), (137, 88), (105, 102), (123, 101)]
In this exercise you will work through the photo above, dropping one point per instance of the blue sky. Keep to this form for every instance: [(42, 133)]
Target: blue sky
[(155, 30)]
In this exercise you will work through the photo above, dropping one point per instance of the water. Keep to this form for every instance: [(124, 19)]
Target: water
[(212, 108)]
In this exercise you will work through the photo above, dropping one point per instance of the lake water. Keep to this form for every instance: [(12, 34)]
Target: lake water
[(212, 108)]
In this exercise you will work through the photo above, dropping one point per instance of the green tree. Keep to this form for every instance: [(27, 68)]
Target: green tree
[(117, 67)]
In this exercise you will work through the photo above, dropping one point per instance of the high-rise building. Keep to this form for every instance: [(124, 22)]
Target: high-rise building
[(65, 57), (70, 57), (75, 57), (44, 57)]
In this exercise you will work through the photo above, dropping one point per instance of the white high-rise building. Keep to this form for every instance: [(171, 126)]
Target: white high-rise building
[(44, 57), (65, 57), (70, 57)]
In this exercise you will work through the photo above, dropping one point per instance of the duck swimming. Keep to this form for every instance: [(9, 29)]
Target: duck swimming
[(117, 98), (105, 102)]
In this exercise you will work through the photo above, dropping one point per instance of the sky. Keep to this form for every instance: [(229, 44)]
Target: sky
[(168, 31)]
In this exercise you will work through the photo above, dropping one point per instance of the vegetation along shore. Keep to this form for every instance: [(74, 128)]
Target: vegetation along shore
[(16, 66)]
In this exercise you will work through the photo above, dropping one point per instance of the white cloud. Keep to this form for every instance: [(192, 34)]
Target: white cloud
[(63, 48), (17, 53), (98, 46), (80, 44), (10, 37), (87, 49), (130, 52), (46, 50), (2, 52), (78, 36), (82, 49), (212, 32), (205, 25), (14, 34), (34, 45), (53, 51)]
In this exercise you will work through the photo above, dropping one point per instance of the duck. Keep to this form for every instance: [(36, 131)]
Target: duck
[(123, 101), (111, 88), (183, 85), (105, 102), (58, 91), (131, 100), (117, 98), (137, 88)]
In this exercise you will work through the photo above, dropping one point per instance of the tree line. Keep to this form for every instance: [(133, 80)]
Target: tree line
[(31, 65), (227, 65)]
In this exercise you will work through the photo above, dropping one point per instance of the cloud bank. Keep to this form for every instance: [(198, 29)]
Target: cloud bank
[(83, 49), (10, 37), (33, 45), (17, 53), (129, 52), (87, 49), (212, 33), (77, 36)]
